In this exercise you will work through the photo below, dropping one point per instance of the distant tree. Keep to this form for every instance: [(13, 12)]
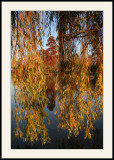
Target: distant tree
[(75, 26), (50, 53)]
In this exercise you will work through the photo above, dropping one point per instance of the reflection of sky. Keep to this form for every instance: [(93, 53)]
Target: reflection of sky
[(55, 133)]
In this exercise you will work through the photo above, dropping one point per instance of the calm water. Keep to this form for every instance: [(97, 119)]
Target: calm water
[(51, 128)]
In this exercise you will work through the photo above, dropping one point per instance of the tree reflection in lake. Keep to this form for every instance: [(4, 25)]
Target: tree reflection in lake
[(54, 102), (31, 94), (50, 93), (78, 105)]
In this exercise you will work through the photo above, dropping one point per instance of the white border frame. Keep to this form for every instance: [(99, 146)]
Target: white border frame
[(106, 152)]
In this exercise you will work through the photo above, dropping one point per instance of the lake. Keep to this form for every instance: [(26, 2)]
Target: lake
[(55, 116)]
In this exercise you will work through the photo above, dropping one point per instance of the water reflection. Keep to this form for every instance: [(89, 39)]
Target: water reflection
[(78, 105), (29, 119), (50, 93), (57, 79)]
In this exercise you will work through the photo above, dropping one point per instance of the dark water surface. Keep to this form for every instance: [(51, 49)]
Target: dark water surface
[(30, 129)]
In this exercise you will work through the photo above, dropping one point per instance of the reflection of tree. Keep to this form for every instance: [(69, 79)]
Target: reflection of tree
[(33, 67), (50, 93), (35, 128), (79, 104), (31, 94)]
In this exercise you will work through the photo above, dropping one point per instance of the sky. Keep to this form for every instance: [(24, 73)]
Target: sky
[(53, 32)]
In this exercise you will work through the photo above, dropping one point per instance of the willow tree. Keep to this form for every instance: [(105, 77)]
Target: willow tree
[(26, 41), (75, 26), (28, 75)]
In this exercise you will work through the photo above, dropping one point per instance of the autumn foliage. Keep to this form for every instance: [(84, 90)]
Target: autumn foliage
[(36, 88), (50, 54)]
